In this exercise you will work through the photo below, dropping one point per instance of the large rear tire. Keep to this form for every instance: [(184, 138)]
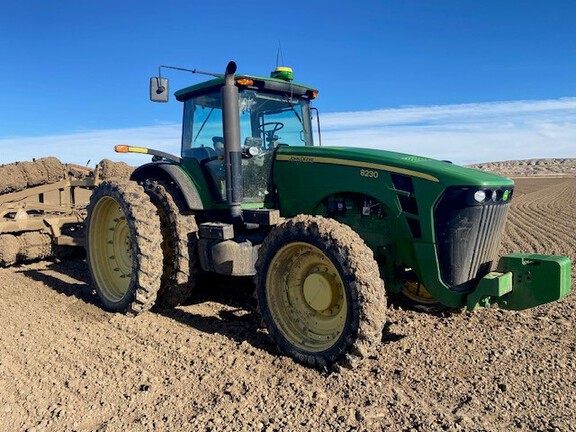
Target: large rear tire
[(179, 243), (319, 292), (123, 245)]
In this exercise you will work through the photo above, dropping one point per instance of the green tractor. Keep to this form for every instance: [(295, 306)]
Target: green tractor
[(327, 232)]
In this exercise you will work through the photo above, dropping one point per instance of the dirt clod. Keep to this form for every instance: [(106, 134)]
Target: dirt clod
[(110, 170), (18, 176)]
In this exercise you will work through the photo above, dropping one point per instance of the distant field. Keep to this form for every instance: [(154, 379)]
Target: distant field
[(530, 167)]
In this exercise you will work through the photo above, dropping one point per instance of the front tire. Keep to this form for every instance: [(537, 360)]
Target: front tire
[(123, 247), (319, 292), (415, 296)]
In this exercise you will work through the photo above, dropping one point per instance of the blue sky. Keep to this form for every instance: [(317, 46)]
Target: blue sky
[(464, 80)]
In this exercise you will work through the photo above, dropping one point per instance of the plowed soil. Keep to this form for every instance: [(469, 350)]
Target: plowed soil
[(65, 364), (531, 167)]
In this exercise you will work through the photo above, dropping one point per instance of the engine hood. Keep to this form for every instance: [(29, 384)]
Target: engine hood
[(433, 170)]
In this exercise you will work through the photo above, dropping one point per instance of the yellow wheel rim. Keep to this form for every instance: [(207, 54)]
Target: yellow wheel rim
[(306, 297), (110, 249), (418, 293)]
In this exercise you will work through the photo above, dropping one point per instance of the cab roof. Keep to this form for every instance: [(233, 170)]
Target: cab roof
[(270, 85)]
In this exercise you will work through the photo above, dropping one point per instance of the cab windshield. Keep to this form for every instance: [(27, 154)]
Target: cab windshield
[(269, 120), (266, 121)]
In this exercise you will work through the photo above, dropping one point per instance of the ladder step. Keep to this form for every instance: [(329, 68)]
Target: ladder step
[(216, 231), (267, 217)]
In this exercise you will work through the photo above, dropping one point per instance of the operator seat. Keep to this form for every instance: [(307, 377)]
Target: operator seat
[(201, 153)]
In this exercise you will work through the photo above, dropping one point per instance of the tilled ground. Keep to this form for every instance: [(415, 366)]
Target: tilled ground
[(65, 364)]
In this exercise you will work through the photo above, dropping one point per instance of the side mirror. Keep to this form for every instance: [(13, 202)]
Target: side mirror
[(158, 89)]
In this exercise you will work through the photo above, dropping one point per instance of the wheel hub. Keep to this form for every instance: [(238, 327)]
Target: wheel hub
[(122, 251), (319, 291)]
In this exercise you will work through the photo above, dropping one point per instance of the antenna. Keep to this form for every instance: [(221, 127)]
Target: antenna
[(279, 54)]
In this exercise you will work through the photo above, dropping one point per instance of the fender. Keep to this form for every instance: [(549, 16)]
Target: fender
[(169, 171)]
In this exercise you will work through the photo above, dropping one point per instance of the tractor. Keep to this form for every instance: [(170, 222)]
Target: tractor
[(328, 233)]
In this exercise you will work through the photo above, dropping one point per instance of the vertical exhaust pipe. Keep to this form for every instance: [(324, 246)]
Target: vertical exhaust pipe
[(232, 148)]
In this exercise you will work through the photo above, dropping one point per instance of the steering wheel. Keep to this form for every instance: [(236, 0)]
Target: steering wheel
[(270, 133)]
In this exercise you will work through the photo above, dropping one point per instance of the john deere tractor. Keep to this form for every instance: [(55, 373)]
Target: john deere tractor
[(327, 232)]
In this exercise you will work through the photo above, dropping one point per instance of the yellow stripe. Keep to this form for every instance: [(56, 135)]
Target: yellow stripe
[(333, 161), (138, 150)]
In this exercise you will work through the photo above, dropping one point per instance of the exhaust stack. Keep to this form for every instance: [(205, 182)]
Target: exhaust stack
[(232, 148)]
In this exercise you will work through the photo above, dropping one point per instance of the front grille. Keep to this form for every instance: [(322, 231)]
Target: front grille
[(468, 234)]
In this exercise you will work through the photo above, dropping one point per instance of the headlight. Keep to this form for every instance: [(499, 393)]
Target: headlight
[(479, 196)]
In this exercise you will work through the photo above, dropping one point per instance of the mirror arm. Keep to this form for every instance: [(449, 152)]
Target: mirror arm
[(194, 71)]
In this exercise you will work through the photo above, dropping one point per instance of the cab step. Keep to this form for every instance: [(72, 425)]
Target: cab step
[(266, 217), (216, 231)]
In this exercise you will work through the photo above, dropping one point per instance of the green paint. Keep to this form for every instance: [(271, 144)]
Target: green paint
[(491, 286), (284, 74), (303, 185), (523, 281), (210, 200), (538, 279)]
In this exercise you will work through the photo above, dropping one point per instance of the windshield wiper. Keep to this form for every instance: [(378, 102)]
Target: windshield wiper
[(203, 124), (292, 108)]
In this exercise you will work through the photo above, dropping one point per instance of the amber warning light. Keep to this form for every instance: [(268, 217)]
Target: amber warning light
[(121, 149), (130, 149), (245, 81)]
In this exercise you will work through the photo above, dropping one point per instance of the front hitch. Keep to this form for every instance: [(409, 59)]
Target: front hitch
[(523, 281)]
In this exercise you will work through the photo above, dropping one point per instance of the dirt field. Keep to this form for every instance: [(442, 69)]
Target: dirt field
[(66, 365), (530, 167)]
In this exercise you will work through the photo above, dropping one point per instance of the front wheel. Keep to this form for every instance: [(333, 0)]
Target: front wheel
[(415, 296), (319, 291), (123, 246)]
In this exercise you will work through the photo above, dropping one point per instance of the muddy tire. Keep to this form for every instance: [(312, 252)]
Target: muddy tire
[(179, 243), (319, 292), (28, 246), (123, 246), (54, 169), (9, 250), (414, 296), (400, 299), (35, 245)]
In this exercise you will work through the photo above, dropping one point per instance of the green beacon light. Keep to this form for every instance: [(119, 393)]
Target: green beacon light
[(283, 73)]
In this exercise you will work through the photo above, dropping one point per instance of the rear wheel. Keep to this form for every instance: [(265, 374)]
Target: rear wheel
[(414, 295), (123, 247), (179, 238), (319, 292)]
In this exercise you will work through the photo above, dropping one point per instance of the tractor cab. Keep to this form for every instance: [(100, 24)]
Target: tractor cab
[(272, 112)]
